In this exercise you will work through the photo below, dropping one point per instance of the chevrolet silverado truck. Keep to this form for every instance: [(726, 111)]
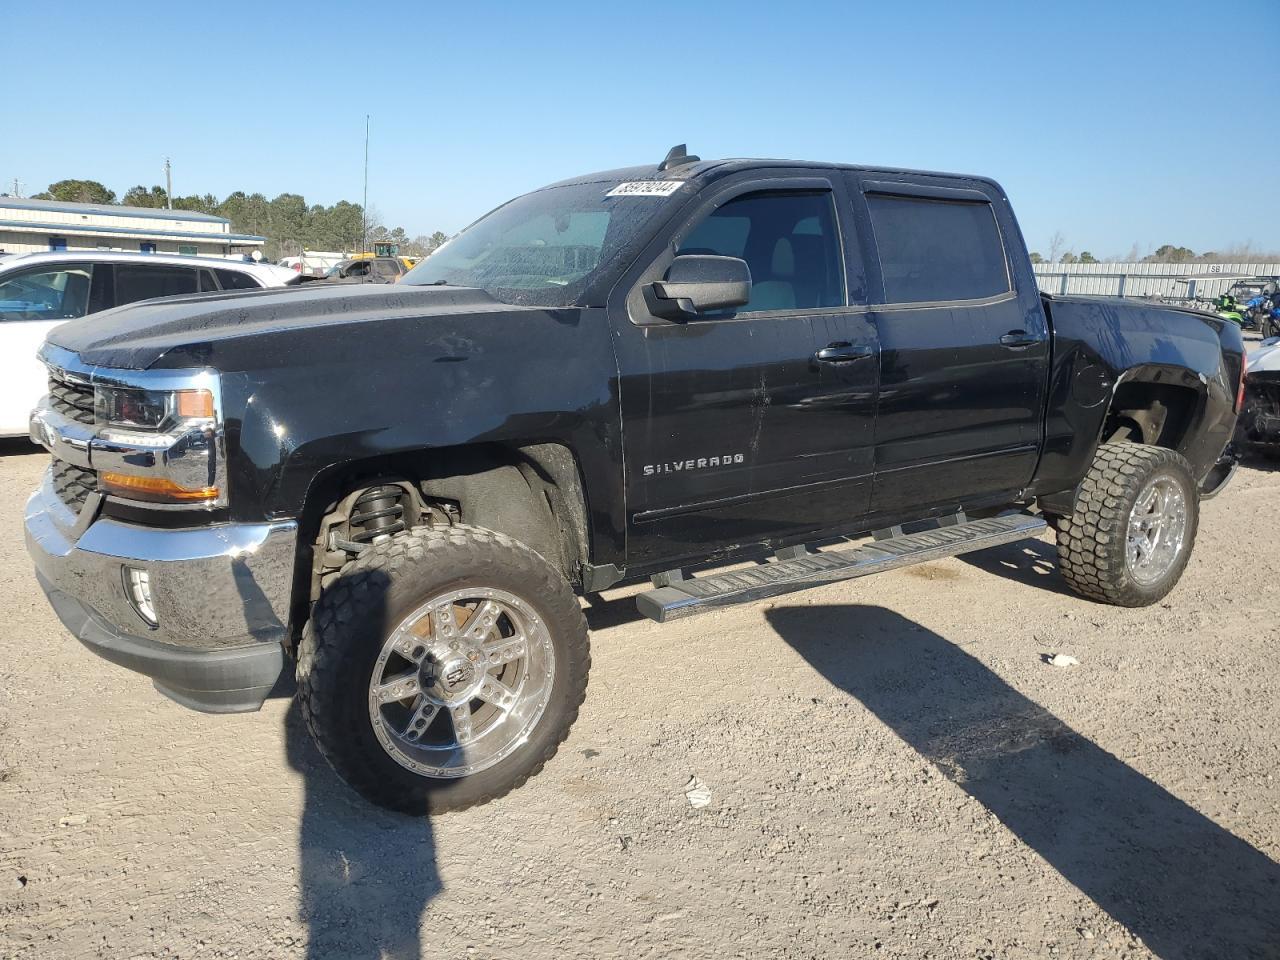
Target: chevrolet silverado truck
[(398, 495)]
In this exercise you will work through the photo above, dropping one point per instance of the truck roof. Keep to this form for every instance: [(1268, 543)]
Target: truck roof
[(702, 168)]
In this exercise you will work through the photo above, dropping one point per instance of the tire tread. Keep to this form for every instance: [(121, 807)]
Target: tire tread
[(324, 655), (1092, 539)]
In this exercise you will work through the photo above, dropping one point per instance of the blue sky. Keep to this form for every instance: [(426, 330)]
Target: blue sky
[(1115, 123)]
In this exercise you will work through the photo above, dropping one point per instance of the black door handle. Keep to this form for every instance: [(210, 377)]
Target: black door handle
[(1019, 338), (842, 352)]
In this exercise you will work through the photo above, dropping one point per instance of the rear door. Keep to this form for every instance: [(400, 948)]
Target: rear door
[(734, 430), (963, 352)]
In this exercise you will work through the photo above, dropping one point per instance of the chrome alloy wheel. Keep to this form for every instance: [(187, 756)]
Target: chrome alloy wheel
[(461, 682), (1157, 530)]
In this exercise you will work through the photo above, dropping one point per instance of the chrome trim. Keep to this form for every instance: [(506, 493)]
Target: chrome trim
[(196, 457), (63, 437), (213, 587)]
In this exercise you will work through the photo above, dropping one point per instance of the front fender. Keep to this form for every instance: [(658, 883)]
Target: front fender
[(533, 377)]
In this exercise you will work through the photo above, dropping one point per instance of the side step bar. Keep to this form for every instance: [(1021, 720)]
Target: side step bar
[(683, 598)]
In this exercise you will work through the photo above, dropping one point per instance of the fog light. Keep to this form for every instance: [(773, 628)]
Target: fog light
[(137, 585)]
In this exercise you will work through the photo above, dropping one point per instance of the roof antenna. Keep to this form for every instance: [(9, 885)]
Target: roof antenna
[(677, 156)]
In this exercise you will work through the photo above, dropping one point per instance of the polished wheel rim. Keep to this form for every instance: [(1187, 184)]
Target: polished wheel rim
[(461, 682), (1157, 530)]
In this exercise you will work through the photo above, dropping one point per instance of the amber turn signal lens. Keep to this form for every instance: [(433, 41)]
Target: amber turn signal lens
[(158, 489), (195, 404)]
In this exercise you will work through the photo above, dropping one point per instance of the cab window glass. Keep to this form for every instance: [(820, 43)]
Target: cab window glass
[(142, 282), (790, 242), (49, 293), (932, 250), (236, 280)]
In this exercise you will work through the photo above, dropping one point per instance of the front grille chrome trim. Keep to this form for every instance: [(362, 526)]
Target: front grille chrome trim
[(64, 424)]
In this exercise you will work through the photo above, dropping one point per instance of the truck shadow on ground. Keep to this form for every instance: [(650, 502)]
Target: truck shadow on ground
[(1031, 562), (1189, 888), (366, 874)]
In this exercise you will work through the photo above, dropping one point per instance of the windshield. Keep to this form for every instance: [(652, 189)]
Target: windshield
[(544, 248)]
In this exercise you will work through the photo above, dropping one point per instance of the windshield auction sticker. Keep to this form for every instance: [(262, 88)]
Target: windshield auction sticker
[(646, 188)]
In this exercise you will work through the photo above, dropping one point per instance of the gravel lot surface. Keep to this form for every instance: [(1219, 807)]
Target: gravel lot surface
[(894, 771)]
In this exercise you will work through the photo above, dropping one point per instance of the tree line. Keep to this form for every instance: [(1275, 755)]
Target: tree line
[(1059, 252), (288, 222)]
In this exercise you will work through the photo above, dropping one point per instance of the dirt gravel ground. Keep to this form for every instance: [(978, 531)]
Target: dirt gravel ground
[(894, 771)]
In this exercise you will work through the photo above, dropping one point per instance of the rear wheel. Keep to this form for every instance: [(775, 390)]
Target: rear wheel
[(442, 668), (1134, 524)]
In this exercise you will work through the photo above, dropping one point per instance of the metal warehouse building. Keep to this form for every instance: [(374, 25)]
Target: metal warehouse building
[(32, 225), (1184, 281)]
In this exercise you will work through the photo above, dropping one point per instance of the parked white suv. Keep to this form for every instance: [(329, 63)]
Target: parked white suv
[(38, 291)]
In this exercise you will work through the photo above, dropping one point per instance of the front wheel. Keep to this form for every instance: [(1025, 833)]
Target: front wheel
[(1134, 524), (442, 668)]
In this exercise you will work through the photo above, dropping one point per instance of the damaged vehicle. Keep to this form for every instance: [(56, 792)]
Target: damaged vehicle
[(399, 494), (1260, 420)]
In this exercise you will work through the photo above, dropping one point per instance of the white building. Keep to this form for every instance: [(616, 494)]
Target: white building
[(1178, 281), (31, 225)]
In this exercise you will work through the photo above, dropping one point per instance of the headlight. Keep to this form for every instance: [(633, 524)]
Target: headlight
[(159, 446), (151, 410)]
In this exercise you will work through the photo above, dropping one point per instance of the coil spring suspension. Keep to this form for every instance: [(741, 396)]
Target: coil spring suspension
[(378, 512)]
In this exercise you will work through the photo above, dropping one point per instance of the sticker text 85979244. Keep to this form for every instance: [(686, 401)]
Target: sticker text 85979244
[(646, 188)]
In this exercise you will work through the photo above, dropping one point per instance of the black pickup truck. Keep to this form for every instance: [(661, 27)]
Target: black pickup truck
[(397, 493)]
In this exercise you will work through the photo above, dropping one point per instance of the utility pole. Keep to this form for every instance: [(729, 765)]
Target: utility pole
[(364, 210), (16, 191), (168, 184)]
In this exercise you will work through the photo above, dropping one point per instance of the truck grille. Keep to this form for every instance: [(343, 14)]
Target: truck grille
[(71, 400), (73, 484)]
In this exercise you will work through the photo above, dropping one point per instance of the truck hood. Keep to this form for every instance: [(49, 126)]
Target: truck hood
[(189, 331)]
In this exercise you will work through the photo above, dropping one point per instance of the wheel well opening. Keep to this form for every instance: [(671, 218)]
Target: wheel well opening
[(530, 492), (1158, 414)]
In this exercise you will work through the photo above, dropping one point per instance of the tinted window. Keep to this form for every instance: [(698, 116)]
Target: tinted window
[(235, 280), (386, 268), (789, 241), (141, 282), (207, 282), (46, 293), (937, 249)]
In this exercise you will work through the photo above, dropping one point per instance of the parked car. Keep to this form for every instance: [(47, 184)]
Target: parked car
[(38, 291), (616, 379), (368, 270), (1260, 418)]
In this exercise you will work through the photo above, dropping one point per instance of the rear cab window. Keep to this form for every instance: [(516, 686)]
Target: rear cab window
[(937, 248)]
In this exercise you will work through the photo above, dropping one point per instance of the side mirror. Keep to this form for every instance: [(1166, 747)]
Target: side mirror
[(697, 284)]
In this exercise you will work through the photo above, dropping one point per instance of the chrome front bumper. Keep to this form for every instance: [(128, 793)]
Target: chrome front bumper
[(221, 595)]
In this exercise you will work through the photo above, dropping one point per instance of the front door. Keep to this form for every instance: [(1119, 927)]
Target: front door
[(735, 430), (964, 353)]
